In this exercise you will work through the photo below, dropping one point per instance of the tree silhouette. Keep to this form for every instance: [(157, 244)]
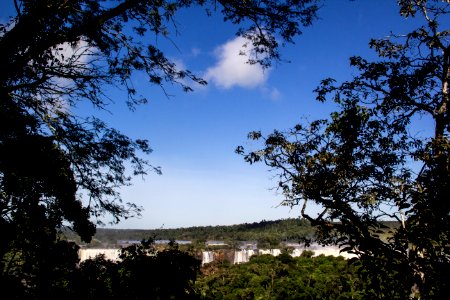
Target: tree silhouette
[(55, 55), (365, 164)]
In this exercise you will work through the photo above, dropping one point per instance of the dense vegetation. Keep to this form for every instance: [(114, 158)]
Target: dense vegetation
[(142, 273), (149, 272), (282, 277)]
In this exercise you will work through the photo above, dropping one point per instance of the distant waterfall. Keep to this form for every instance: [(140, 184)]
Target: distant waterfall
[(207, 257), (273, 252), (236, 257), (296, 253), (242, 256), (111, 254)]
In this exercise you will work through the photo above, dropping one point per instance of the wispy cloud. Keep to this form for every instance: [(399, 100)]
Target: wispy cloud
[(232, 69), (271, 93)]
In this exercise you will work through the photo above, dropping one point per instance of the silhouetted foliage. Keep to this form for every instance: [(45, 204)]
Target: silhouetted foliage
[(57, 167), (142, 273), (368, 162), (149, 274)]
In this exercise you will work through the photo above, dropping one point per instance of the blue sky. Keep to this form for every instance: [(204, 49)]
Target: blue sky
[(194, 135)]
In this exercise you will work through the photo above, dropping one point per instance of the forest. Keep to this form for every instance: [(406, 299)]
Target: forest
[(264, 277), (282, 277), (145, 271), (266, 234)]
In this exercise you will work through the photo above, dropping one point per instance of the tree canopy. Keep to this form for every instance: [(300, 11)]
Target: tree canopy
[(281, 277), (368, 162)]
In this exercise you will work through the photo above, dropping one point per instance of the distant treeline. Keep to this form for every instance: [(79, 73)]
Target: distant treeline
[(265, 233)]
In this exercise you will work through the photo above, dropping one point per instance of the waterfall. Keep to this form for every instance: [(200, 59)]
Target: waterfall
[(296, 252), (111, 254), (242, 256), (273, 252), (207, 257)]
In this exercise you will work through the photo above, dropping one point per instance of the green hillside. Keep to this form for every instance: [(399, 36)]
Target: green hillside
[(268, 232), (265, 233)]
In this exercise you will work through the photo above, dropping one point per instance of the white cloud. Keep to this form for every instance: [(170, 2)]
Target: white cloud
[(232, 68)]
